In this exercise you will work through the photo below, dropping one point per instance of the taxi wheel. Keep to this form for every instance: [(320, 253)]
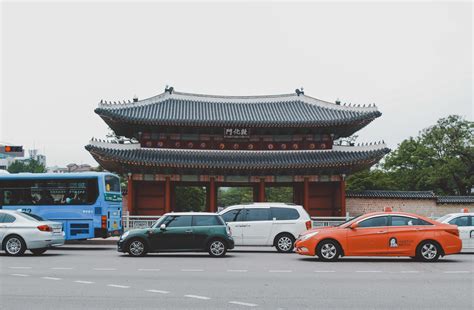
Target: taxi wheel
[(328, 250), (285, 243), (217, 248), (14, 245), (428, 251), (38, 251), (136, 247)]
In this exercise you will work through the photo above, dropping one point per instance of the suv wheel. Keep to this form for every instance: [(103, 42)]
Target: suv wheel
[(14, 246), (428, 251), (136, 247), (285, 243), (328, 250), (217, 248)]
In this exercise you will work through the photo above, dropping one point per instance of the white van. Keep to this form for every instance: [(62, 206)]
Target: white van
[(267, 224), (465, 223)]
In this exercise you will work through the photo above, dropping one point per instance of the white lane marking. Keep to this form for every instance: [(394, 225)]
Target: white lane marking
[(242, 303), (193, 270), (409, 271), (324, 271), (51, 278), (118, 286), (148, 269), (158, 291), (20, 275), (280, 270), (20, 267), (370, 271), (105, 269), (83, 282), (197, 297), (237, 270), (457, 271), (61, 268)]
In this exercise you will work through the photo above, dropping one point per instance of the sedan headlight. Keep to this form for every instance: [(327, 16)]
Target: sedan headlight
[(307, 236), (125, 234)]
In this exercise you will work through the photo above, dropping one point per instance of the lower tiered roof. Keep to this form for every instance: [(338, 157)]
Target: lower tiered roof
[(124, 158)]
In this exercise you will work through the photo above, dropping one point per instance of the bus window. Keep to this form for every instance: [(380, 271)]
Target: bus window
[(112, 184)]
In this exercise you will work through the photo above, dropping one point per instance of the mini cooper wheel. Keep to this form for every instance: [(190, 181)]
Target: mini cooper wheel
[(285, 243), (137, 247), (14, 246), (428, 251), (328, 250), (38, 251), (217, 248)]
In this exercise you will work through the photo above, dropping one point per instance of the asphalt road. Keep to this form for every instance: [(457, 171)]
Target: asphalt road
[(97, 277)]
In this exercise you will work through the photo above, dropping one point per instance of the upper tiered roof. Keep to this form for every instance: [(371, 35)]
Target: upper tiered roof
[(295, 110)]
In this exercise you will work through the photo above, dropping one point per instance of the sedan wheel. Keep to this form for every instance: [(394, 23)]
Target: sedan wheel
[(328, 250), (137, 248), (15, 246), (285, 244), (428, 251), (217, 248)]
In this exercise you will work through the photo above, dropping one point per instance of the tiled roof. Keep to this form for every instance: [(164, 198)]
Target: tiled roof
[(391, 194), (340, 159), (456, 199), (290, 110)]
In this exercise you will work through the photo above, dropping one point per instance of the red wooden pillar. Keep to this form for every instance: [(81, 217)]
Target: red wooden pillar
[(167, 195), (306, 194), (261, 190), (212, 195), (130, 194), (343, 197)]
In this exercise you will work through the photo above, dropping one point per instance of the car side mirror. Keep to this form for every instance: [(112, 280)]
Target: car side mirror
[(163, 227), (354, 226)]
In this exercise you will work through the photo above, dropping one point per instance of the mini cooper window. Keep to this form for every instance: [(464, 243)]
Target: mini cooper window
[(374, 222), (206, 220), (460, 221), (178, 221)]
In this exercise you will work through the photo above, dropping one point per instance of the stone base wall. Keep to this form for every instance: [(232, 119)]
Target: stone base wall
[(424, 207)]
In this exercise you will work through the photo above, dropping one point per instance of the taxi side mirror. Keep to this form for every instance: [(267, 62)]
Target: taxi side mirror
[(163, 227), (354, 226)]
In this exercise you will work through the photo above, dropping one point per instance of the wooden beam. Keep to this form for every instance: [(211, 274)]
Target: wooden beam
[(212, 195), (167, 195), (306, 194), (130, 198), (261, 190)]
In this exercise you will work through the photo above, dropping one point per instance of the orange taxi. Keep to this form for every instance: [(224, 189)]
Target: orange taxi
[(382, 234)]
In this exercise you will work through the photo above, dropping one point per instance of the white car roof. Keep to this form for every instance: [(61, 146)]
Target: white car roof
[(190, 213), (460, 214), (264, 205)]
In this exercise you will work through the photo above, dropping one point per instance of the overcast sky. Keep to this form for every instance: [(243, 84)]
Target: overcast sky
[(59, 60)]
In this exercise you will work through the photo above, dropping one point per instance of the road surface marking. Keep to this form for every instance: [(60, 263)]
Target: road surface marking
[(192, 270), (242, 303), (105, 269), (148, 269), (324, 271), (118, 286), (368, 271), (237, 270), (197, 297), (457, 271), (409, 271), (158, 291), (61, 268), (20, 275), (51, 278), (83, 282), (280, 271), (20, 267)]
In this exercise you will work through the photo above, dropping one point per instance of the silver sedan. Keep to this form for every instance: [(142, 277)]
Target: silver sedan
[(22, 231)]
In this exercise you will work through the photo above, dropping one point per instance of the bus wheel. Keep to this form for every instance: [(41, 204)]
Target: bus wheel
[(14, 245), (38, 251), (136, 247)]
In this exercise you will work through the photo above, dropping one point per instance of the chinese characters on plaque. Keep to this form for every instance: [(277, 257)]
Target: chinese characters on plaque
[(236, 133)]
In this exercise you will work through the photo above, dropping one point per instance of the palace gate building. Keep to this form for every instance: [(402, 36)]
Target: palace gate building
[(183, 139)]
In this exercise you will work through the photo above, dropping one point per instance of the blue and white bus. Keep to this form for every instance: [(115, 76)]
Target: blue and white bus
[(89, 204)]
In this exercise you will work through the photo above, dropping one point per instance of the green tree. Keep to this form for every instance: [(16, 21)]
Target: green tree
[(375, 179), (228, 196), (279, 194), (29, 165), (190, 198)]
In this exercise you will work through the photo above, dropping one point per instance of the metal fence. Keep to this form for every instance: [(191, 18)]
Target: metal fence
[(144, 221)]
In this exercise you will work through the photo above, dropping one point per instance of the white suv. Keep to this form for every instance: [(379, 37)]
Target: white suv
[(267, 224), (465, 223)]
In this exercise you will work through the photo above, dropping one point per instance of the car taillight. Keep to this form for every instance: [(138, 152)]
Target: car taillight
[(309, 225), (453, 231), (45, 228), (229, 231), (104, 221)]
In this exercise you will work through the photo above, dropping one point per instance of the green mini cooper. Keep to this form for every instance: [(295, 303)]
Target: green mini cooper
[(180, 232)]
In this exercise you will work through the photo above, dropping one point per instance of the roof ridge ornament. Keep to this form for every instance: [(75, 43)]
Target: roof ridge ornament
[(169, 89), (299, 91)]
